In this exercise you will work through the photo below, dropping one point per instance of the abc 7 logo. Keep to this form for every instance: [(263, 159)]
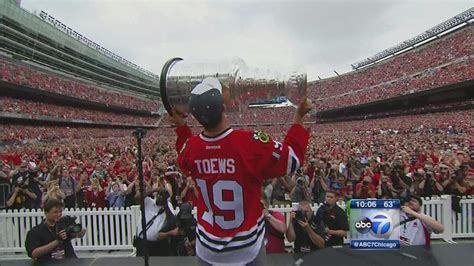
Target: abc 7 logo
[(378, 225)]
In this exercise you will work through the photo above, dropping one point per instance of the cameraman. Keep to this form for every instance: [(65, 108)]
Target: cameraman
[(304, 230), (22, 197), (455, 184), (51, 240), (300, 191), (430, 186), (415, 227), (318, 187), (160, 224), (186, 237), (20, 172)]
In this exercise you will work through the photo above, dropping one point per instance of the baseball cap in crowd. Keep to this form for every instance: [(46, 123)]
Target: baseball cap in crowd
[(206, 103)]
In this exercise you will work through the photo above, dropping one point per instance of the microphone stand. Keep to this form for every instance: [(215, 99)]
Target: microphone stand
[(139, 133)]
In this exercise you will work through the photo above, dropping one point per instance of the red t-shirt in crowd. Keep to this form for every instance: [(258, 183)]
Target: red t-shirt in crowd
[(369, 193), (95, 200), (376, 179), (435, 159), (421, 158), (275, 239)]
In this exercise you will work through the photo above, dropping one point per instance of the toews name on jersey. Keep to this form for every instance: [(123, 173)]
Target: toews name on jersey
[(215, 166)]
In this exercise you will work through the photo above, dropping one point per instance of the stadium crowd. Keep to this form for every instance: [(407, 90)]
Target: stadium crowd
[(256, 116), (445, 50), (21, 74), (34, 108), (14, 134), (427, 79), (342, 156)]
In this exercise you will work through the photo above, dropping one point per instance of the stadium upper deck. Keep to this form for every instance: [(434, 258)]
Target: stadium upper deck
[(440, 59), (46, 41)]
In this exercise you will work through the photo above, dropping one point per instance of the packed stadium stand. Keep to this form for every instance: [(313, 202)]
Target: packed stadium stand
[(52, 75)]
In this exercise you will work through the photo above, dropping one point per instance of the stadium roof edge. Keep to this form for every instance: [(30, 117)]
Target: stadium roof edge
[(84, 40), (445, 26), (25, 17)]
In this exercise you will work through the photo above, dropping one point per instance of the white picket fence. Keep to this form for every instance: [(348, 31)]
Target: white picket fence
[(113, 229)]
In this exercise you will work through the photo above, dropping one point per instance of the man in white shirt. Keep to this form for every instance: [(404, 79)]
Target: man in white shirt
[(161, 226), (416, 227)]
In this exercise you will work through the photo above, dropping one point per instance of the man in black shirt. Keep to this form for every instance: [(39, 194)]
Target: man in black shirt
[(334, 219), (48, 241), (304, 230)]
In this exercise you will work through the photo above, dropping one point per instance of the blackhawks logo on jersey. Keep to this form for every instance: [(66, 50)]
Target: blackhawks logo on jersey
[(262, 137)]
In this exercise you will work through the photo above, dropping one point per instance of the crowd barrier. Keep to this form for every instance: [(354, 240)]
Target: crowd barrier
[(113, 229)]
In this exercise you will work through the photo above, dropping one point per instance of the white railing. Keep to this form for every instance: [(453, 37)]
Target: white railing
[(107, 229), (113, 229)]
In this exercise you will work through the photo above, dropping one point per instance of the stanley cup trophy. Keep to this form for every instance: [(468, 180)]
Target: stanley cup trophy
[(241, 86)]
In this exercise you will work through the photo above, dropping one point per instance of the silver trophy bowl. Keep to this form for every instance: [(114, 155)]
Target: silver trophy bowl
[(241, 86)]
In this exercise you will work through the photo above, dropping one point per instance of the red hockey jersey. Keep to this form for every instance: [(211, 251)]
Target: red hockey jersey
[(229, 170)]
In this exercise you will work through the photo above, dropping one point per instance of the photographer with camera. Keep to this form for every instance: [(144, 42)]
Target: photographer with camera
[(318, 187), (186, 237), (385, 189), (22, 197), (416, 227), (304, 230), (51, 240), (430, 186), (300, 190), (454, 184), (365, 189), (160, 226), (20, 173)]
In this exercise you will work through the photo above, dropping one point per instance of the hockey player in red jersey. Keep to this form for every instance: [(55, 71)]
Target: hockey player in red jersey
[(229, 166)]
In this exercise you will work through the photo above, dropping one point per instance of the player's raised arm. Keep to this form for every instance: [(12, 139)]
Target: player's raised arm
[(281, 158), (182, 130)]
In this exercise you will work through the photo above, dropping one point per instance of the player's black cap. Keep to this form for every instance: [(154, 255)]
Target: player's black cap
[(206, 103)]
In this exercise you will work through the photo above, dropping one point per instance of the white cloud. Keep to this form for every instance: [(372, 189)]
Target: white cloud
[(319, 36)]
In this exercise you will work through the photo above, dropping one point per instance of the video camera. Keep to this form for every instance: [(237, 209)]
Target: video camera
[(21, 182), (299, 215), (186, 221), (69, 224)]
